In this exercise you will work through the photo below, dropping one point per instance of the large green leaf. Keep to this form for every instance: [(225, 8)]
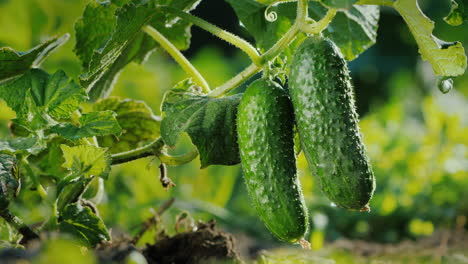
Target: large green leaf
[(84, 224), (458, 13), (210, 123), (139, 124), (446, 58), (86, 160), (90, 125), (39, 93), (14, 63), (105, 54), (354, 30), (9, 185)]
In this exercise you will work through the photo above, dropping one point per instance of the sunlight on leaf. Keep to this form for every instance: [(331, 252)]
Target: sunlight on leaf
[(87, 160)]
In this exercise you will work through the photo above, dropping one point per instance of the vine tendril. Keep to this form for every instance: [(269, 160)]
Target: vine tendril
[(270, 16)]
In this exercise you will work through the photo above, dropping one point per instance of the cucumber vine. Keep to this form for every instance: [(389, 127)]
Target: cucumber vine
[(52, 137)]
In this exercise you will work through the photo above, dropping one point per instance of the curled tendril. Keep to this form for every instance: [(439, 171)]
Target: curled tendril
[(270, 16)]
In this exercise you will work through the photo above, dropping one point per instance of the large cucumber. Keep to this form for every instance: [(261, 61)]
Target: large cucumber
[(265, 123), (327, 123)]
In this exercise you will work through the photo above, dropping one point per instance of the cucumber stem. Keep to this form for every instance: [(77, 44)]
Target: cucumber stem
[(234, 82), (178, 57), (177, 160), (151, 149), (319, 26), (220, 33), (375, 2)]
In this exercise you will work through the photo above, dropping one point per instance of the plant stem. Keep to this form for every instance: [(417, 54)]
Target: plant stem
[(18, 224), (220, 33), (178, 57), (151, 149), (376, 2), (279, 46), (177, 160), (319, 26), (286, 39), (246, 74)]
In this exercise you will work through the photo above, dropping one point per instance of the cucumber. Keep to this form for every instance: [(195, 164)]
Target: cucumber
[(327, 123), (265, 123)]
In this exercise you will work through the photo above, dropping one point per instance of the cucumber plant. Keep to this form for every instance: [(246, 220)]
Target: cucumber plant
[(62, 153)]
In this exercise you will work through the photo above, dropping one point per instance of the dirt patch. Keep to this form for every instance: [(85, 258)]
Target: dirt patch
[(205, 245)]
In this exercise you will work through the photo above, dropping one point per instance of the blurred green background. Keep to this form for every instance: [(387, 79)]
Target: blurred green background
[(417, 137)]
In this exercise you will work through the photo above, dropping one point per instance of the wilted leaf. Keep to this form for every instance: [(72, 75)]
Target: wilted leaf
[(90, 125), (139, 124)]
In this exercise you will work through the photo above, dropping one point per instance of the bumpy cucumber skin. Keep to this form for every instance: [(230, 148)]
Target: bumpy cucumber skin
[(327, 122), (265, 123)]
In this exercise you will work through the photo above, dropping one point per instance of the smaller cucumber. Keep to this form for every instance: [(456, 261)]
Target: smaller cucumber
[(265, 123)]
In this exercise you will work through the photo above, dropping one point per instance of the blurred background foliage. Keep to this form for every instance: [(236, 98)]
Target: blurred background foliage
[(417, 137)]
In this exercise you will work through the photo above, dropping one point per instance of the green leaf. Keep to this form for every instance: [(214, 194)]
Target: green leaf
[(9, 185), (210, 123), (446, 58), (49, 161), (353, 30), (60, 96), (81, 222), (457, 14), (19, 145), (14, 63), (86, 160), (139, 124), (339, 3), (37, 93), (90, 125), (105, 55)]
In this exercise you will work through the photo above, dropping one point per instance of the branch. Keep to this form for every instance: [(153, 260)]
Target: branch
[(151, 149), (220, 33), (235, 81), (288, 37), (319, 26), (178, 56), (375, 2), (152, 220)]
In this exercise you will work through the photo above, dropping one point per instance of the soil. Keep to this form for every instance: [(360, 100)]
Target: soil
[(205, 245)]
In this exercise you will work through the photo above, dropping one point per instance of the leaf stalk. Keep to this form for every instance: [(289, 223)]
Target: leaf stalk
[(242, 44), (178, 57)]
